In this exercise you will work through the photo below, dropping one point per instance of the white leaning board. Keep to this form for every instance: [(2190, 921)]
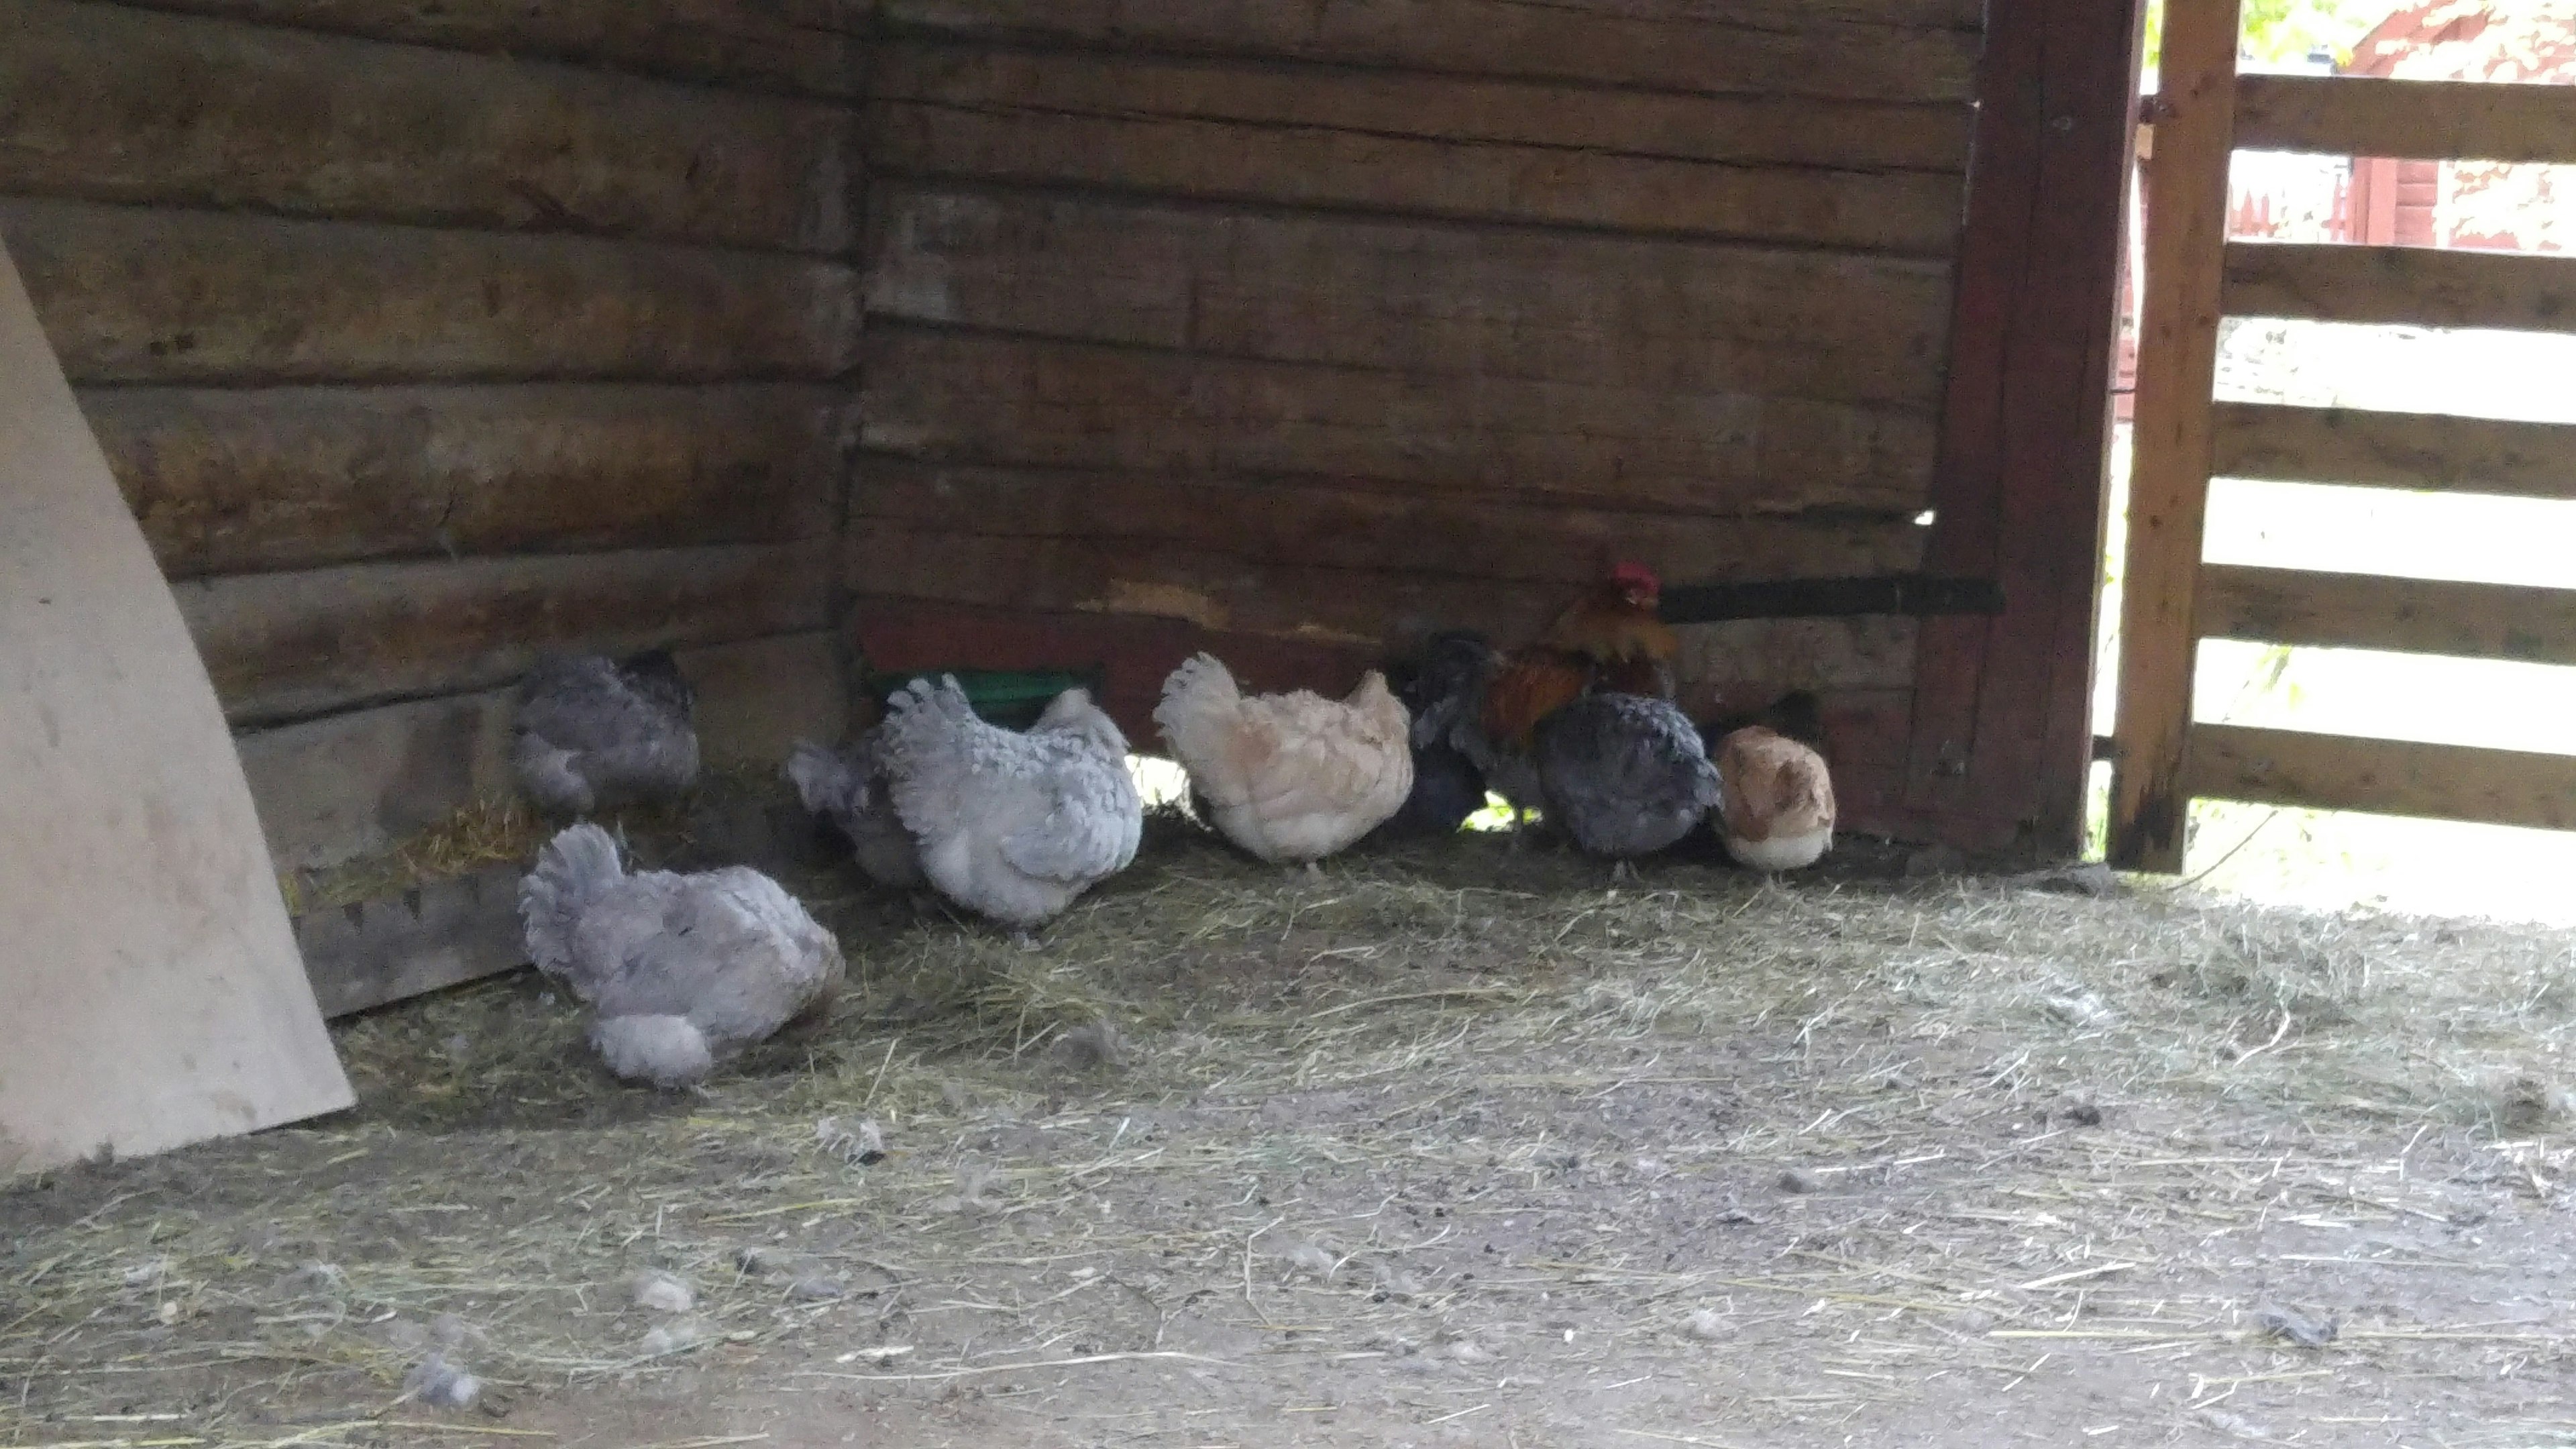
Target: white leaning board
[(150, 990)]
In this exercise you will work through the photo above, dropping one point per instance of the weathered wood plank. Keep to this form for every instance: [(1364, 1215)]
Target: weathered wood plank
[(1761, 50), (2426, 120), (1338, 527), (815, 46), (246, 480), (2396, 450), (135, 295), (1753, 130), (108, 104), (285, 646), (1906, 213), (961, 398), (349, 784), (2186, 241), (1435, 301), (442, 934), (2415, 286), (2383, 777), (2371, 611), (2002, 703)]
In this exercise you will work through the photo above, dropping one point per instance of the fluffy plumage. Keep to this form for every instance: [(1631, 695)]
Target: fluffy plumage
[(1289, 777), (1777, 810), (1011, 826), (682, 971), (1447, 786), (1624, 774), (851, 789), (593, 732)]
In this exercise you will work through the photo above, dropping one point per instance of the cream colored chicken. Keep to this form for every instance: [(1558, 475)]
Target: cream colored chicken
[(1289, 777), (1775, 800)]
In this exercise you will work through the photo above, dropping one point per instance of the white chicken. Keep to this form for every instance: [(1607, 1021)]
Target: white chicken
[(1776, 800), (1293, 777), (592, 731), (681, 971), (850, 789), (1011, 826)]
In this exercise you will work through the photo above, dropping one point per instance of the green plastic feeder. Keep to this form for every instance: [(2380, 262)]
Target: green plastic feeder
[(1010, 698)]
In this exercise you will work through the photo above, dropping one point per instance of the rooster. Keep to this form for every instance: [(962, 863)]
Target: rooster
[(1289, 777), (1011, 826), (1608, 639)]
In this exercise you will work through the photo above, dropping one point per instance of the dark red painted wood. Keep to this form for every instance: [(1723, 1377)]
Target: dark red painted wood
[(2001, 740)]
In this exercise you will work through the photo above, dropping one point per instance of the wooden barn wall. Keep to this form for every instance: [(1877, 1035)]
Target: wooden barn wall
[(1296, 330), (421, 337)]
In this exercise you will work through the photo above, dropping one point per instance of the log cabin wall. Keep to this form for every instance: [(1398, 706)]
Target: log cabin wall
[(1295, 330), (421, 336)]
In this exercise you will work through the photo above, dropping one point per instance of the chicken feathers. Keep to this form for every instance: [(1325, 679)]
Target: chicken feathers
[(1011, 826), (850, 788), (1447, 786), (681, 971), (593, 732), (1288, 777), (1624, 774), (1777, 811)]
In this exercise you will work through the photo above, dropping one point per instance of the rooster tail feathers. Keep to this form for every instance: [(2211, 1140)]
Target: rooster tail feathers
[(574, 869)]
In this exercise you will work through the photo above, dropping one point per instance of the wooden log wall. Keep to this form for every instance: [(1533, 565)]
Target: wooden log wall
[(1298, 330), (422, 337)]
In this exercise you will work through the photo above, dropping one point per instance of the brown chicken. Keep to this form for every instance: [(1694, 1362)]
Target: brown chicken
[(1775, 800)]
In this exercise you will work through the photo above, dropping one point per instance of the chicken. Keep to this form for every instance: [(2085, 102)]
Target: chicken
[(1616, 629), (681, 971), (593, 732), (1293, 777), (850, 788), (1011, 826), (1625, 774), (1447, 786), (1776, 810)]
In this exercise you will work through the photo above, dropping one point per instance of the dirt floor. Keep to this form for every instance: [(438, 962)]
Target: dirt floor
[(1448, 1144)]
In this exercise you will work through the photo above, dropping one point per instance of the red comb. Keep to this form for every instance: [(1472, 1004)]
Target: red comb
[(1636, 576)]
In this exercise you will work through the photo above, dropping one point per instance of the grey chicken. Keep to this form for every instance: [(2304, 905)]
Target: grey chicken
[(680, 971), (1457, 675), (1624, 774), (1011, 826), (1447, 786), (593, 732), (851, 789)]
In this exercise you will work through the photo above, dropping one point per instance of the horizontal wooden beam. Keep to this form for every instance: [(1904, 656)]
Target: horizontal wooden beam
[(1474, 302), (291, 645), (241, 480), (2382, 777), (814, 46), (136, 294), (1910, 595), (948, 397), (2426, 451), (2412, 286), (2369, 611), (2424, 120), (1920, 52), (108, 103)]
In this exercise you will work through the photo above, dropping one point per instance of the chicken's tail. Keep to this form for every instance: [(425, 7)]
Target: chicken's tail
[(1198, 698), (574, 869), (668, 1051), (824, 781)]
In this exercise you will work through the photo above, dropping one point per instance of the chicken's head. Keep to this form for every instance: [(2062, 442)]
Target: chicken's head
[(1636, 585)]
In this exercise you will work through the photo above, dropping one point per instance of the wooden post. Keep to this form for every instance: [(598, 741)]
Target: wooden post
[(2169, 483)]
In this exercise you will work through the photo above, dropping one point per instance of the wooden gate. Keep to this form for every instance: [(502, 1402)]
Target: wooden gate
[(2195, 276)]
